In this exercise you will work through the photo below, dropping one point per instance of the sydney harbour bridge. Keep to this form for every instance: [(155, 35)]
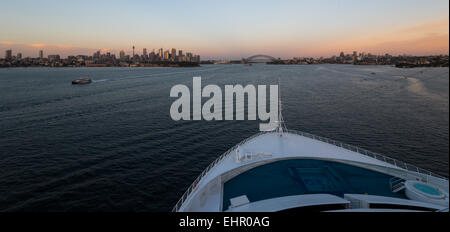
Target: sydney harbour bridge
[(259, 59)]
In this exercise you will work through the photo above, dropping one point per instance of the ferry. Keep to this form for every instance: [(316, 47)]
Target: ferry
[(291, 171), (86, 80)]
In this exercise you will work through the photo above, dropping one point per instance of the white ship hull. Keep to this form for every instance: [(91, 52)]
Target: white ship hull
[(211, 192)]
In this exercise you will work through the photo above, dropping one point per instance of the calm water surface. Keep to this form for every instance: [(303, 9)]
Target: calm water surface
[(112, 146)]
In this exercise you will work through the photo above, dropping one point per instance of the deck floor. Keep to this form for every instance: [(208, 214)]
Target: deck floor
[(306, 176)]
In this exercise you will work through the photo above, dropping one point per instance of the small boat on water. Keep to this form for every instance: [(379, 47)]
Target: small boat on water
[(81, 81)]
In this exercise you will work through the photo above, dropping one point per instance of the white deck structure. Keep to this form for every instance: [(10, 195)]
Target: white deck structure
[(206, 193)]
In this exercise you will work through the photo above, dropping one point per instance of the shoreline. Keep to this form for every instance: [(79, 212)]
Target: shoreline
[(115, 66), (402, 66)]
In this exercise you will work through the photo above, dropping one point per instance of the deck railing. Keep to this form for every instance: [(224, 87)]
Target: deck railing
[(362, 151), (371, 154), (213, 164)]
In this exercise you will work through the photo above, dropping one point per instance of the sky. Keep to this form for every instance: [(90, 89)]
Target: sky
[(229, 29)]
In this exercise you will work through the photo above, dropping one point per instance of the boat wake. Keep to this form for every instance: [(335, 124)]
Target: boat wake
[(102, 80), (416, 86)]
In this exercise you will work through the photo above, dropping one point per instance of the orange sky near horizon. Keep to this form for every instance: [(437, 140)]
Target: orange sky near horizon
[(421, 36)]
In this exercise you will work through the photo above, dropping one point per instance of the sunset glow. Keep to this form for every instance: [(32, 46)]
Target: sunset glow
[(234, 29)]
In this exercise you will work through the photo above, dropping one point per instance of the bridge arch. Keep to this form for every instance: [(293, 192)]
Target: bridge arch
[(260, 56)]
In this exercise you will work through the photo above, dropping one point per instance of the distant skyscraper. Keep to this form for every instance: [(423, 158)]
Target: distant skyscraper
[(174, 54), (97, 55), (19, 56), (52, 58), (8, 54), (152, 55), (41, 54), (122, 55), (188, 57), (133, 51), (355, 56), (160, 53), (166, 55), (144, 52), (180, 56)]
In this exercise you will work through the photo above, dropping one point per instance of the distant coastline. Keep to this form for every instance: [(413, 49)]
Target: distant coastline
[(166, 59), (183, 65), (400, 61), (161, 58), (173, 65), (397, 65)]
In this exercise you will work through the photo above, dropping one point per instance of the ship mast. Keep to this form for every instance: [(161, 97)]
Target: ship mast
[(281, 126)]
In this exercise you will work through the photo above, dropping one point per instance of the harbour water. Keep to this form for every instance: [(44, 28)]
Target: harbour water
[(112, 145)]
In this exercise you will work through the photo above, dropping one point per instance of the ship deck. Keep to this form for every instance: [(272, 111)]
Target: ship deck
[(306, 176), (267, 166)]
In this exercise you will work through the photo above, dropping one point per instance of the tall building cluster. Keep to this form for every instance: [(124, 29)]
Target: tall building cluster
[(170, 57)]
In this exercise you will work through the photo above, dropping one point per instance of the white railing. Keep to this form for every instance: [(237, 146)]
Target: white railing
[(213, 164), (368, 153), (362, 151)]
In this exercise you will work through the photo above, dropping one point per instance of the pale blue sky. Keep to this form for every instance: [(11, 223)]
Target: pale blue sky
[(215, 28)]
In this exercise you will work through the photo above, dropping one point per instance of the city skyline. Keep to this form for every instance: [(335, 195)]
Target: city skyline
[(173, 52), (178, 58), (232, 30)]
